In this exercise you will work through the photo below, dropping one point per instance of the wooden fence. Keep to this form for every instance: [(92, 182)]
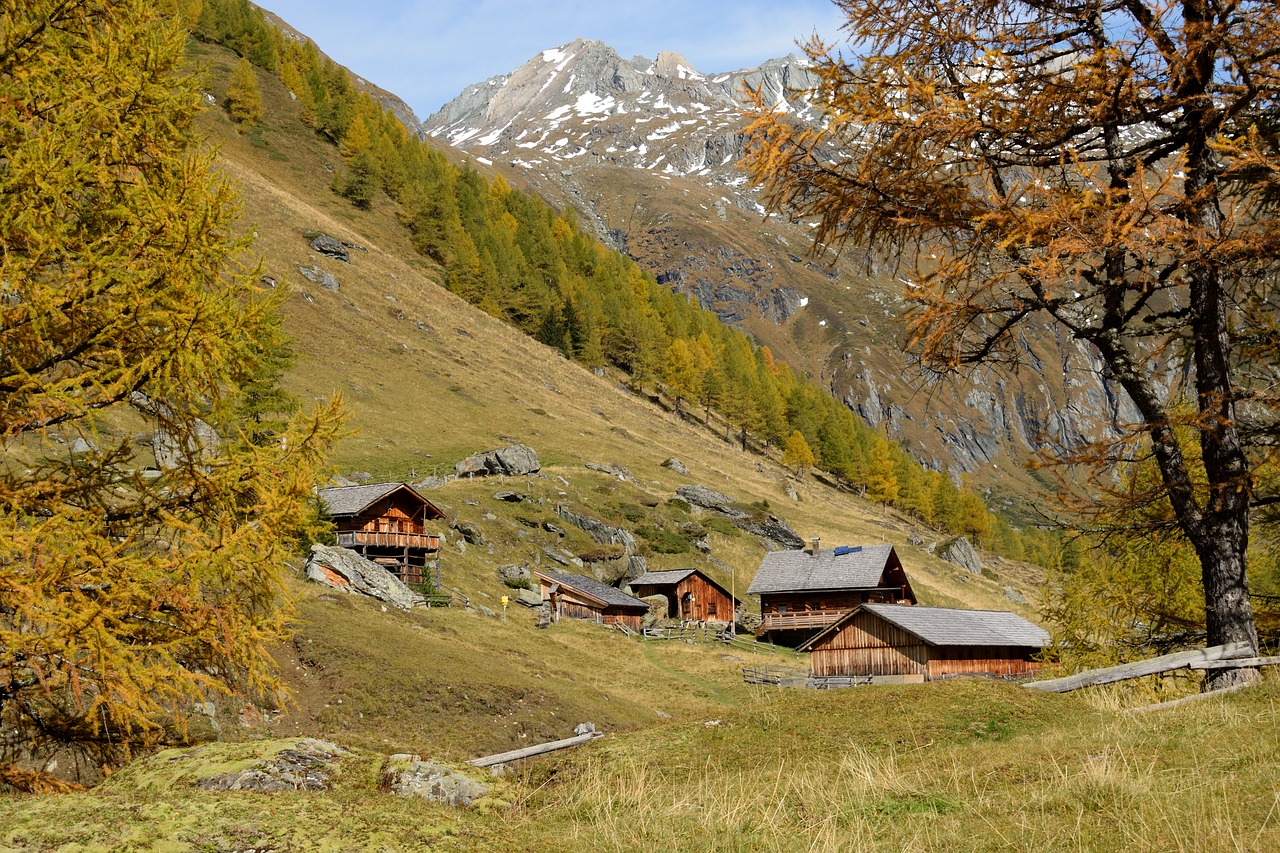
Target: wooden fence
[(776, 675)]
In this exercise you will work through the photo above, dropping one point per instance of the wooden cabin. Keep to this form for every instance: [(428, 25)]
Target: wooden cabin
[(385, 523), (895, 642), (802, 592), (690, 595), (578, 597)]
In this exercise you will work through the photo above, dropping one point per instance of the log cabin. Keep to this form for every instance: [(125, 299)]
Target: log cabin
[(579, 597), (802, 592), (385, 523), (892, 642), (690, 595)]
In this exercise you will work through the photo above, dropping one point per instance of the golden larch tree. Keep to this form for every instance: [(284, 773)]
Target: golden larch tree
[(133, 580), (1107, 168)]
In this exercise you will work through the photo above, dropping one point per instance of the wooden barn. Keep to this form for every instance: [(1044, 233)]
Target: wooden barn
[(802, 592), (925, 643), (690, 595), (578, 597), (385, 523)]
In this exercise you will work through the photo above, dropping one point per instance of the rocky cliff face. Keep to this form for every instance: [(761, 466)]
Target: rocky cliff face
[(646, 151)]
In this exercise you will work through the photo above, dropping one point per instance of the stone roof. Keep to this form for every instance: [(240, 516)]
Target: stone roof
[(612, 596), (856, 567), (946, 626), (671, 576), (351, 500)]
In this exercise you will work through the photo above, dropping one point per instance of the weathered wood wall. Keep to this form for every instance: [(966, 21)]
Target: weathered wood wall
[(708, 604), (868, 645)]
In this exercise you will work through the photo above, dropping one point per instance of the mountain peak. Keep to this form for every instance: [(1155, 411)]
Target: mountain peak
[(671, 64)]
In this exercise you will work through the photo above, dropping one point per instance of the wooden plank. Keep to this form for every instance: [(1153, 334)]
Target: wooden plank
[(540, 749), (1236, 663), (1196, 697), (1137, 669)]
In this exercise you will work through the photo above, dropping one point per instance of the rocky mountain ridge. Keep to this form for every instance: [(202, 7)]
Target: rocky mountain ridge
[(646, 151)]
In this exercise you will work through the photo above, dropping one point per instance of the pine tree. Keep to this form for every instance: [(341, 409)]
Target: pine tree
[(797, 454), (244, 101), (125, 597)]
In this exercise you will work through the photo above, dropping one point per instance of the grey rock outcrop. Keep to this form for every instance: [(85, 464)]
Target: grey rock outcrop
[(613, 470), (509, 497), (962, 553), (303, 766), (528, 598), (605, 534), (349, 572), (469, 532), (773, 529), (410, 776), (325, 279), (512, 460), (675, 465), (332, 247), (514, 574), (701, 496)]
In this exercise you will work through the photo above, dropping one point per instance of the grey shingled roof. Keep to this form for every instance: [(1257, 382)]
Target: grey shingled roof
[(349, 500), (800, 571), (596, 589), (944, 626), (671, 576)]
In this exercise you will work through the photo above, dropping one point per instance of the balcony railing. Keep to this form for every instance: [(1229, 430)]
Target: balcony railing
[(803, 619), (389, 540)]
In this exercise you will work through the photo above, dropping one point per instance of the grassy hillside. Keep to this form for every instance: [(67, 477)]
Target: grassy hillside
[(963, 766), (694, 759)]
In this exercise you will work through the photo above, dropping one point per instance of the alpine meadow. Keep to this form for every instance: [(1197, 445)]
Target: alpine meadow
[(870, 449)]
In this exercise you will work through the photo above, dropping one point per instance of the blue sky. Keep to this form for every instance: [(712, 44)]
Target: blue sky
[(428, 51)]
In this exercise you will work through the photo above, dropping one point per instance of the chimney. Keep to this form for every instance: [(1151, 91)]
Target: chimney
[(813, 543)]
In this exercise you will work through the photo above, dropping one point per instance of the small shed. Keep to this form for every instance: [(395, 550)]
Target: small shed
[(925, 643), (804, 591), (579, 597), (385, 523), (690, 595)]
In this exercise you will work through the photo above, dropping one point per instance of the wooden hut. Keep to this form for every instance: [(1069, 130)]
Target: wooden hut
[(925, 643), (690, 595), (385, 523), (804, 591), (579, 597)]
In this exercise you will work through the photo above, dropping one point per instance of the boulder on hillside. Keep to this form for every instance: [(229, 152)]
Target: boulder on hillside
[(773, 530), (331, 246), (605, 534), (325, 279), (303, 765), (469, 532), (348, 571), (675, 465), (515, 574), (962, 553), (528, 598), (613, 470), (410, 776), (701, 496), (512, 460)]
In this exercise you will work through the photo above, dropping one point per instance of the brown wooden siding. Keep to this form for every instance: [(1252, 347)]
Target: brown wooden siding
[(697, 599), (870, 646), (981, 660), (573, 606)]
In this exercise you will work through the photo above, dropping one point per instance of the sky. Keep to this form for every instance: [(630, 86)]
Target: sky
[(428, 51)]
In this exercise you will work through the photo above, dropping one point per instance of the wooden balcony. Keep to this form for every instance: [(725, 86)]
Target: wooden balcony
[(800, 620), (425, 541)]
